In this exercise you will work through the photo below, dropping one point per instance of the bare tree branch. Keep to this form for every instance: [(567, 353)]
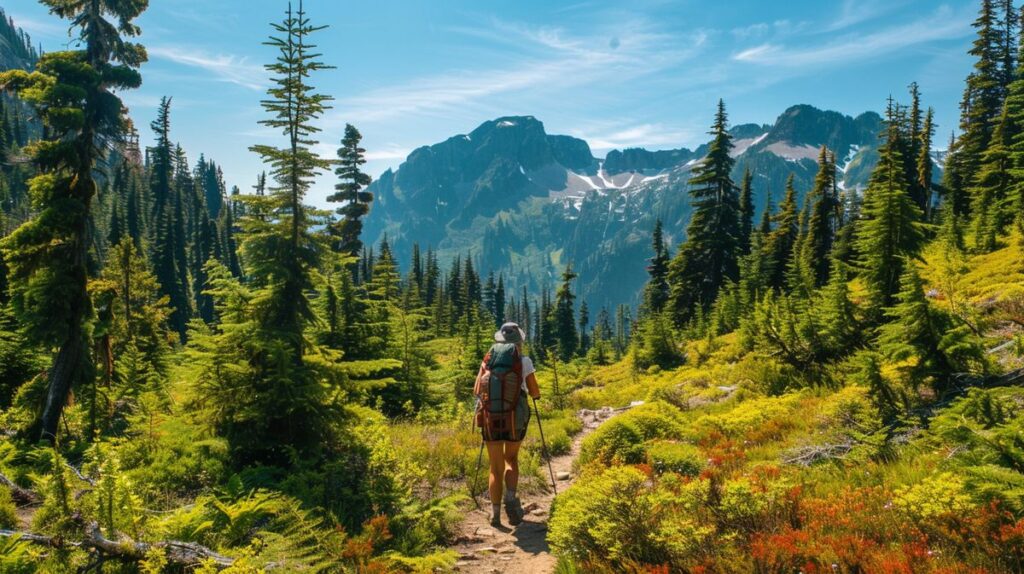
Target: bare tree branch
[(177, 552)]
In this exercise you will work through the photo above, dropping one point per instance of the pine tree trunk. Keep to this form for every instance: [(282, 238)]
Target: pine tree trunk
[(66, 368), (73, 353)]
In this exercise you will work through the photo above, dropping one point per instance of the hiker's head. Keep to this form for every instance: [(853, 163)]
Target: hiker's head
[(510, 333)]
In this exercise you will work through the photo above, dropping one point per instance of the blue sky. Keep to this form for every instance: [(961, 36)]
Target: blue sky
[(640, 73)]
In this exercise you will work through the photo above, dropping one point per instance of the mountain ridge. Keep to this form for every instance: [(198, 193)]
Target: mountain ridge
[(524, 203)]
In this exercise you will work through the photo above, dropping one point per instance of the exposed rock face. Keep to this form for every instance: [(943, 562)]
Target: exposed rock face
[(526, 203)]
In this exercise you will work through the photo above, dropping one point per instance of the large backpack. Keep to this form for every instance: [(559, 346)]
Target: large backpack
[(499, 386)]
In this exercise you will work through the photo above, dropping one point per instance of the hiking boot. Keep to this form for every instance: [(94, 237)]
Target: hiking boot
[(496, 516), (514, 510)]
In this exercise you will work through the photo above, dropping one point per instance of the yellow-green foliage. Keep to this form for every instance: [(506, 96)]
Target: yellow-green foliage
[(616, 517), (621, 439), (8, 512), (743, 505), (389, 477), (558, 431), (670, 456), (619, 384), (442, 451), (937, 495), (753, 414), (170, 459), (19, 558)]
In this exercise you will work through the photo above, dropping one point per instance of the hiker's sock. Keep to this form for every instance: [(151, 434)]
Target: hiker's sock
[(496, 510), (510, 494)]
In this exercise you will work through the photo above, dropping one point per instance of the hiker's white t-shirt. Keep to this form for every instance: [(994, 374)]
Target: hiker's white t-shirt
[(528, 369)]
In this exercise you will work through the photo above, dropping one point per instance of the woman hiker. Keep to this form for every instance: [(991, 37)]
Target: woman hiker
[(503, 413)]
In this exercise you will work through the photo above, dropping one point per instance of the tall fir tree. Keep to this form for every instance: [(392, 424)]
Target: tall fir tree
[(709, 257), (994, 184), (746, 210), (75, 93), (351, 192), (499, 301), (563, 318), (656, 292), (984, 93), (888, 232), (168, 216), (781, 242), (821, 226), (925, 163), (286, 407), (584, 323)]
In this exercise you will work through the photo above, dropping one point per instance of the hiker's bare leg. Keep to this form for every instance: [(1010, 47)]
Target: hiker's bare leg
[(496, 456), (512, 465)]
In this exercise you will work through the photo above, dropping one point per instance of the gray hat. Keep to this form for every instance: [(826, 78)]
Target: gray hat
[(510, 333)]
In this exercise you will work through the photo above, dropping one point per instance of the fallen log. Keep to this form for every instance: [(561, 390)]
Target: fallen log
[(186, 554), (811, 454), (22, 496)]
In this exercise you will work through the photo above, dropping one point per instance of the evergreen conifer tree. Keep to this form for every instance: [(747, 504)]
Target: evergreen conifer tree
[(708, 258), (499, 301), (917, 331), (924, 162), (285, 406), (584, 323), (994, 184), (984, 93), (74, 92), (656, 293), (780, 244), (351, 192), (821, 225), (169, 241), (888, 231), (746, 210)]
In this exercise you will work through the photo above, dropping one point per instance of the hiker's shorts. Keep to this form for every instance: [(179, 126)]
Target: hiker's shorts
[(508, 436)]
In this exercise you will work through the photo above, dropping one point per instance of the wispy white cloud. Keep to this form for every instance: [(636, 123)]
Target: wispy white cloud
[(853, 12), (223, 67), (764, 29), (40, 28), (535, 58), (942, 25), (608, 136), (135, 100), (389, 152)]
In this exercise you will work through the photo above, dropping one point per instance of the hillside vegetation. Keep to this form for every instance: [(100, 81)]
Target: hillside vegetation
[(738, 462), (196, 379)]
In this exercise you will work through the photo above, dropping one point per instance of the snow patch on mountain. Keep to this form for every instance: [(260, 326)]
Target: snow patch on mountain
[(793, 153), (741, 146), (854, 149)]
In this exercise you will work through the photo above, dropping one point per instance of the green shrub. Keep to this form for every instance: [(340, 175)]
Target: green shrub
[(421, 527), (617, 441), (172, 459), (937, 495), (622, 519), (656, 420), (559, 444), (655, 343), (8, 512), (621, 440), (559, 432), (611, 516), (677, 457)]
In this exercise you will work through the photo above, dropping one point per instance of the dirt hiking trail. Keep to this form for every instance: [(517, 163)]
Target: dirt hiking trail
[(523, 549)]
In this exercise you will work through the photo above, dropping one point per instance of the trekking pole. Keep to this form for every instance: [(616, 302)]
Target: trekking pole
[(473, 481), (544, 447), (479, 460)]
